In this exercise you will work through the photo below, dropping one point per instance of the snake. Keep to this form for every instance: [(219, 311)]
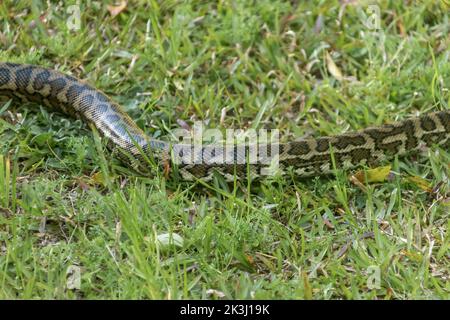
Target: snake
[(315, 156)]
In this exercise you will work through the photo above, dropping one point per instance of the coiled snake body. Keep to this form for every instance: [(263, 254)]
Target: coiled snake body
[(306, 157)]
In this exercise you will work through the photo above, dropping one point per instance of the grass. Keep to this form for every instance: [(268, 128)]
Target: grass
[(65, 203)]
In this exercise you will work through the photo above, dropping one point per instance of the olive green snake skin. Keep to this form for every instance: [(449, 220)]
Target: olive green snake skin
[(308, 157)]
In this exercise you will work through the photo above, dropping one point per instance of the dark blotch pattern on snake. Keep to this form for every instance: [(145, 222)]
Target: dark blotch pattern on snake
[(307, 157)]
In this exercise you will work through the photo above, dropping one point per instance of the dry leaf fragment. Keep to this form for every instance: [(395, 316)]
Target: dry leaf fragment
[(3, 39), (170, 239), (166, 168), (214, 292), (343, 249), (308, 295), (318, 26), (82, 184), (98, 178), (328, 223), (355, 180), (378, 174), (6, 212), (250, 259), (414, 256), (333, 68), (183, 124), (401, 27), (420, 182), (115, 10)]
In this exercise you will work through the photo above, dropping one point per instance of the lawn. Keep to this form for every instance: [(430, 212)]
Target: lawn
[(76, 223)]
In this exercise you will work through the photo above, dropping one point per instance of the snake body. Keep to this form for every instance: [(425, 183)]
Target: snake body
[(307, 157)]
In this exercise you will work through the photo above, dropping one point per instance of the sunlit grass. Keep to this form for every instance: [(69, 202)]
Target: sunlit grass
[(64, 201)]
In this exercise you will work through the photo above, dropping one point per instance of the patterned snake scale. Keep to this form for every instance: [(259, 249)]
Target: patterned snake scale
[(308, 157)]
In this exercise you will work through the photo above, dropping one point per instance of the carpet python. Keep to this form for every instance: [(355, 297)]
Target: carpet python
[(307, 157)]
